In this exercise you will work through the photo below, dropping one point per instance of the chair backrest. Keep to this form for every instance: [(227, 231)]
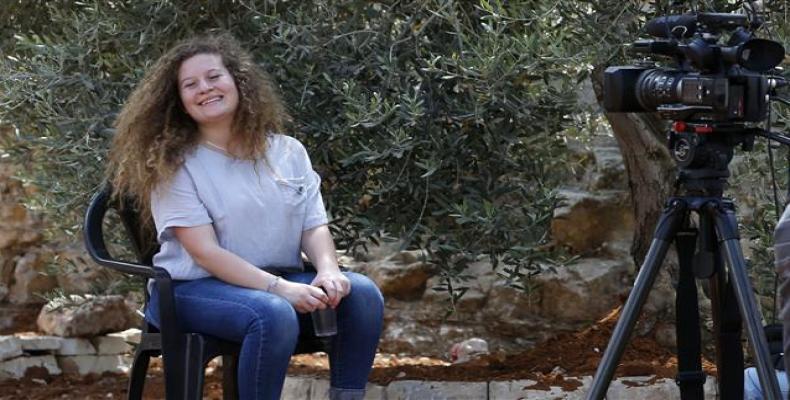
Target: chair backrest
[(143, 240)]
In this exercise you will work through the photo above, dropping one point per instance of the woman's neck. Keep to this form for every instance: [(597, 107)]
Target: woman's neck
[(218, 135)]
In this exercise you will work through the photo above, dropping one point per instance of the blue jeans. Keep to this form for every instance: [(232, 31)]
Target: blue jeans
[(751, 384), (267, 326)]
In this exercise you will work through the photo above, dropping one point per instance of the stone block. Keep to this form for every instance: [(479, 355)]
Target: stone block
[(9, 347), (419, 390), (528, 389), (33, 342), (111, 345), (16, 368), (296, 388), (75, 347), (94, 364), (131, 335), (644, 388), (319, 390)]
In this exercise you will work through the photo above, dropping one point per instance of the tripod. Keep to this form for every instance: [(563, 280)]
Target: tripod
[(702, 175)]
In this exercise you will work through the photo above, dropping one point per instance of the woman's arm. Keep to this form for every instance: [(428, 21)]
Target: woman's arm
[(201, 244), (317, 243)]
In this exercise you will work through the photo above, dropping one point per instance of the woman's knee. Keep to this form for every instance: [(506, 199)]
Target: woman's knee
[(275, 319), (365, 290)]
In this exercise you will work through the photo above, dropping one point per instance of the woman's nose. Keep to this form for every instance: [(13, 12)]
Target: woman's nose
[(205, 85)]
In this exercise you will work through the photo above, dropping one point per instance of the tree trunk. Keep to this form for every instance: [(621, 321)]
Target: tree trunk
[(648, 165), (650, 172)]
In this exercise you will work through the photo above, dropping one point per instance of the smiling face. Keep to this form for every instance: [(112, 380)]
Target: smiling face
[(208, 91)]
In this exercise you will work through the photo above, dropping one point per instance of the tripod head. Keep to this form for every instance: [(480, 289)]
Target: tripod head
[(704, 150)]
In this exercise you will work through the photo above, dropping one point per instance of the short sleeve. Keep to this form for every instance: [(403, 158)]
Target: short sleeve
[(315, 212), (175, 204)]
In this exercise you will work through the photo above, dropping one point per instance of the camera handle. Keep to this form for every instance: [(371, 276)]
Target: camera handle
[(717, 217)]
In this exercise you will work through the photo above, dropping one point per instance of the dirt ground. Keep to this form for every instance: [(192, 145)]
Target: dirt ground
[(552, 363)]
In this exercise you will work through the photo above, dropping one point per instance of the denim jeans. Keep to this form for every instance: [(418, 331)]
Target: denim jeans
[(751, 384), (267, 326)]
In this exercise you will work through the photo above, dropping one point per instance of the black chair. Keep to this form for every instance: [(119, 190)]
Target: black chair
[(184, 354)]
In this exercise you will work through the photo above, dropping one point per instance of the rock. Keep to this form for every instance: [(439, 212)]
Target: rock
[(17, 368), (584, 290), (94, 364), (666, 334), (18, 317), (476, 294), (131, 335), (577, 293), (31, 278), (587, 221), (468, 350), (111, 345), (9, 347), (85, 316), (412, 390), (398, 280), (75, 347), (609, 169), (407, 337)]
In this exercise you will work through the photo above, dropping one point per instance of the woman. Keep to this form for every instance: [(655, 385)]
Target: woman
[(234, 204)]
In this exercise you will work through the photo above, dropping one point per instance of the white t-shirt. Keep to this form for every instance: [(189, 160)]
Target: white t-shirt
[(257, 214)]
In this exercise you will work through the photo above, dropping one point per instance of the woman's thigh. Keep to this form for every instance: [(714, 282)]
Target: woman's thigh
[(217, 308)]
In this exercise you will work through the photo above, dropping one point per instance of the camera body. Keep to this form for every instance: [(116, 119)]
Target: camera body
[(732, 96), (711, 81)]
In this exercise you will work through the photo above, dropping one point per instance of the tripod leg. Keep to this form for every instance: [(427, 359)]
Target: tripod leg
[(690, 378), (669, 223), (727, 327), (727, 229), (727, 324)]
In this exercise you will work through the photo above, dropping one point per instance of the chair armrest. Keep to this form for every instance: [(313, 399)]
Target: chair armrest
[(94, 237), (168, 318)]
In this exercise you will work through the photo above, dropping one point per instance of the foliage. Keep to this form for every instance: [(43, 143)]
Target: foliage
[(432, 122)]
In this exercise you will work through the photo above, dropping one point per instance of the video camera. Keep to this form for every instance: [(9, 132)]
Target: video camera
[(714, 96), (712, 82)]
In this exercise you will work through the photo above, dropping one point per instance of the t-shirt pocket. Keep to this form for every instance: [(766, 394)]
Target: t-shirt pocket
[(293, 191)]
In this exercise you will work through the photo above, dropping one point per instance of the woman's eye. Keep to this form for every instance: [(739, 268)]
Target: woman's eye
[(214, 77), (189, 85)]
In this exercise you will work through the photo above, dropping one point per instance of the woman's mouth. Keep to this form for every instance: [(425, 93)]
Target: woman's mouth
[(210, 100)]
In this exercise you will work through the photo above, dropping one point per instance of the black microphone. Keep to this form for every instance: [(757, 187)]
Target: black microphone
[(672, 26)]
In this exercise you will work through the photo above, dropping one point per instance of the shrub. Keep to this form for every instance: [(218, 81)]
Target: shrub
[(431, 122)]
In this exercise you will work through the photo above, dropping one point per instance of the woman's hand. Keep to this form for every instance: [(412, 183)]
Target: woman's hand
[(334, 283), (304, 298)]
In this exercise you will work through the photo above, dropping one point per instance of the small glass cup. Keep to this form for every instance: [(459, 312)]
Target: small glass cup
[(325, 322)]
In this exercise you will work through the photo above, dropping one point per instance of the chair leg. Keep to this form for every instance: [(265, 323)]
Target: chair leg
[(194, 373), (137, 374), (230, 381)]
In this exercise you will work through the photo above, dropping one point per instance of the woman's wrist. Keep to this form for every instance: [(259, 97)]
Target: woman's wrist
[(273, 284), (278, 285)]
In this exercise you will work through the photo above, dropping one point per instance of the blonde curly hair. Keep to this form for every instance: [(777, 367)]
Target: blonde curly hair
[(154, 132)]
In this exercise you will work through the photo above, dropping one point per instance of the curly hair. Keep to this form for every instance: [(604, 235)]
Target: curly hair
[(154, 132)]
